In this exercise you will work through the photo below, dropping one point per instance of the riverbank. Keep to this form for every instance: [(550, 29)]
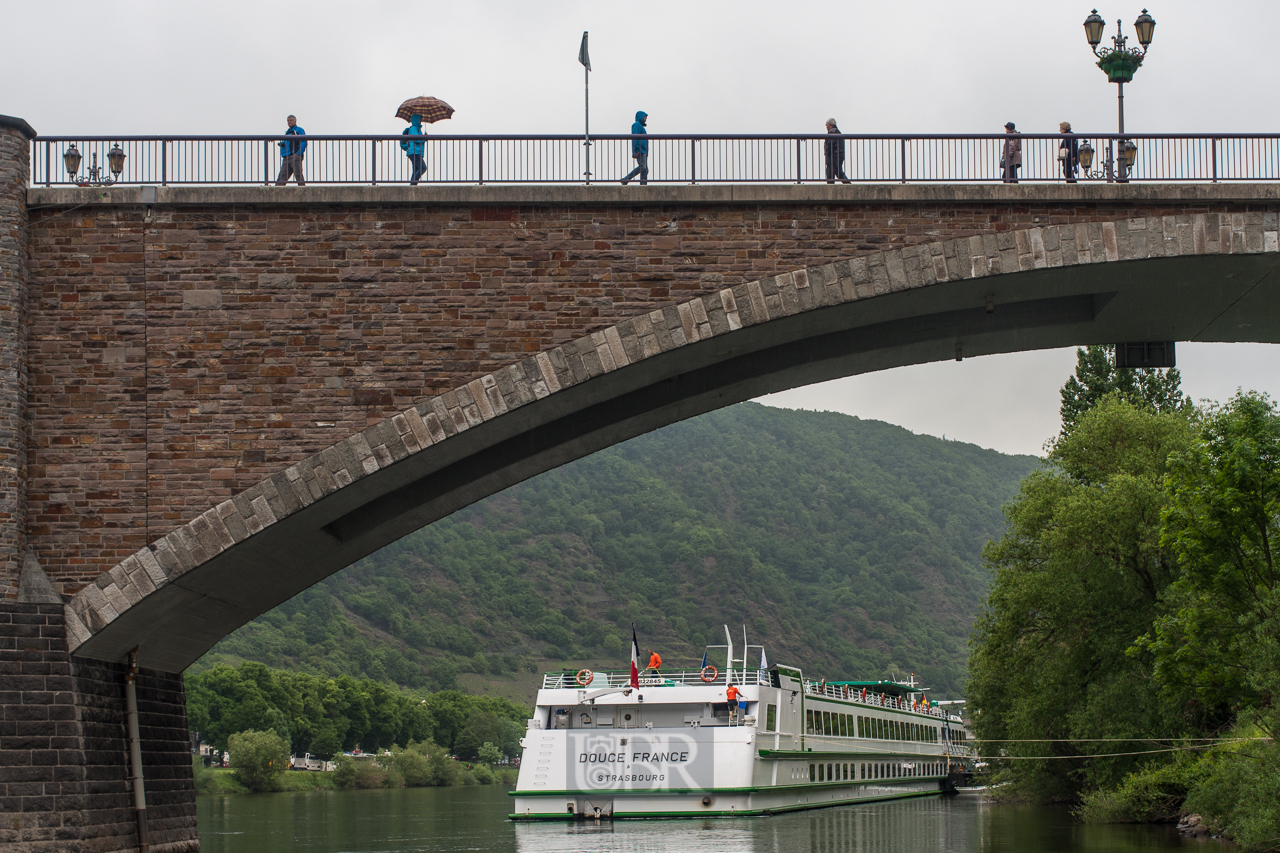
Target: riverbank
[(221, 780)]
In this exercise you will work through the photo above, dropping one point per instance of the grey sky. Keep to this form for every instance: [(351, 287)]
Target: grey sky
[(233, 67)]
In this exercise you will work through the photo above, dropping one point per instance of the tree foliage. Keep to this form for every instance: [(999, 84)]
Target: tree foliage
[(325, 716), (1097, 376), (1077, 579), (847, 546), (258, 759)]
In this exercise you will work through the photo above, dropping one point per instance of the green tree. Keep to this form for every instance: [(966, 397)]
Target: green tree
[(1097, 376), (1216, 642), (258, 759), (1220, 630), (489, 754), (1077, 579)]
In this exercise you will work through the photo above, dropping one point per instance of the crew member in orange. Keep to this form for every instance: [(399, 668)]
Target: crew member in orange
[(655, 661), (732, 693)]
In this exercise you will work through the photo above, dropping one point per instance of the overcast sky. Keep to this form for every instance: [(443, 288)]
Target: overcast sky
[(939, 66)]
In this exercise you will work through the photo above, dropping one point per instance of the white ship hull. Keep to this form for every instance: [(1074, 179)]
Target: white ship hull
[(670, 748)]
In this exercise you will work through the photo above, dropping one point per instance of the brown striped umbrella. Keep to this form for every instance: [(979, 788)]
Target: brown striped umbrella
[(431, 109)]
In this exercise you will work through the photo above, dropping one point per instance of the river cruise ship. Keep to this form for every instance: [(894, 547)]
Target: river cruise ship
[(599, 746)]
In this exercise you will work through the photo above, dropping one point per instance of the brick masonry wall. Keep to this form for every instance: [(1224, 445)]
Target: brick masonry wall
[(63, 750), (14, 173), (181, 356)]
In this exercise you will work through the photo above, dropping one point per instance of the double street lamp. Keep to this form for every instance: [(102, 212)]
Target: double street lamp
[(97, 176), (1119, 62)]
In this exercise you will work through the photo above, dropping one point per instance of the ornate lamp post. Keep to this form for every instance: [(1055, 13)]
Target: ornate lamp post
[(97, 178), (1119, 62)]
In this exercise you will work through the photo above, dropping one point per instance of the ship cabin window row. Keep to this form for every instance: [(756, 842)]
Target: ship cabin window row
[(845, 772), (817, 722)]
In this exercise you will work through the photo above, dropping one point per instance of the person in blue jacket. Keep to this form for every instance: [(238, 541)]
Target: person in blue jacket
[(414, 148), (291, 153), (639, 151)]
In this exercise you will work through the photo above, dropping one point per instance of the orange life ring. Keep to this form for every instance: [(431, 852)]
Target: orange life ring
[(709, 673), (584, 677)]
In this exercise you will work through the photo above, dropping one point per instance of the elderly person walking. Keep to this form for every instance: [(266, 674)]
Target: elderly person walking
[(833, 149), (1068, 153), (291, 153), (1011, 158)]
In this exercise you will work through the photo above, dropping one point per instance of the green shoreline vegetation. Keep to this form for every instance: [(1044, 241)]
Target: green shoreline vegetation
[(262, 716), (1128, 656)]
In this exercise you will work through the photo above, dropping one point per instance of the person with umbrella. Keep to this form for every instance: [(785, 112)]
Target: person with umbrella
[(291, 153), (414, 148), (416, 111)]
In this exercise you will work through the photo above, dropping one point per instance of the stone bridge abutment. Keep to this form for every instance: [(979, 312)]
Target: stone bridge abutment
[(215, 397)]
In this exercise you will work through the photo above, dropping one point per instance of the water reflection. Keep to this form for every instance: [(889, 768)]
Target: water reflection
[(457, 819), (952, 824)]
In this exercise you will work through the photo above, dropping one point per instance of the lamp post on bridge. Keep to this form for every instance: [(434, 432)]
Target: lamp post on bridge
[(1119, 62)]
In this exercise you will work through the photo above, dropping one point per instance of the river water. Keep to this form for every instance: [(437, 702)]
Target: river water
[(467, 819)]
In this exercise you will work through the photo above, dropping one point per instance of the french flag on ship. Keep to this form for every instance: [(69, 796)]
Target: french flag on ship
[(635, 660)]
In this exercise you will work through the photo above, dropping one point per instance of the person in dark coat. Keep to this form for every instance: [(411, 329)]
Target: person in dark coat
[(639, 150), (1011, 158), (1068, 153), (833, 149)]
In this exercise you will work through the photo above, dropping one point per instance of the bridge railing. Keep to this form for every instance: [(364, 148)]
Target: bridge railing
[(685, 159)]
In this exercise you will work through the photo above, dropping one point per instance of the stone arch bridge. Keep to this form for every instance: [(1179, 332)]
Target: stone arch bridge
[(216, 397)]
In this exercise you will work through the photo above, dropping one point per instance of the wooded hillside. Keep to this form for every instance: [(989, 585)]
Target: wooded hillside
[(849, 547)]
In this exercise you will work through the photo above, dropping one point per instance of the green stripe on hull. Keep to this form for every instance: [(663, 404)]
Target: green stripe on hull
[(564, 816)]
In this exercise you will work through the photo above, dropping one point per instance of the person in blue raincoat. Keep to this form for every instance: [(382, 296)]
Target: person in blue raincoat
[(639, 151), (414, 148), (291, 153)]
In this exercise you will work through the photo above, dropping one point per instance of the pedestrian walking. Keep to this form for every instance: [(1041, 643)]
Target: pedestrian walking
[(1068, 153), (833, 148), (414, 148), (1011, 158), (291, 153), (639, 151)]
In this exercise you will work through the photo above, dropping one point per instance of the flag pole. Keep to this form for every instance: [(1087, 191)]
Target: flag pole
[(584, 58)]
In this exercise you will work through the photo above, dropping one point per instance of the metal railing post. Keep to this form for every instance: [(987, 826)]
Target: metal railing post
[(1215, 159), (373, 162), (798, 144), (902, 158), (266, 163), (693, 161), (46, 162), (164, 162), (480, 159)]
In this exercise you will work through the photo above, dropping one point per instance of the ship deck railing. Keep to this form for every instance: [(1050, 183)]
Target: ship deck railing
[(666, 678), (846, 693)]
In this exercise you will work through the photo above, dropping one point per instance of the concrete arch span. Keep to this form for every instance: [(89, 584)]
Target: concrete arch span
[(1188, 278)]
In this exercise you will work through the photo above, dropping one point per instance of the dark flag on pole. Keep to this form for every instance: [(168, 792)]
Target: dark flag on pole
[(582, 53)]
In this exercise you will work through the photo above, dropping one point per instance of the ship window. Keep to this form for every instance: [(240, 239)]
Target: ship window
[(844, 725), (812, 773), (880, 733), (771, 719), (862, 771), (822, 771), (861, 728), (845, 771), (830, 776), (808, 722)]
